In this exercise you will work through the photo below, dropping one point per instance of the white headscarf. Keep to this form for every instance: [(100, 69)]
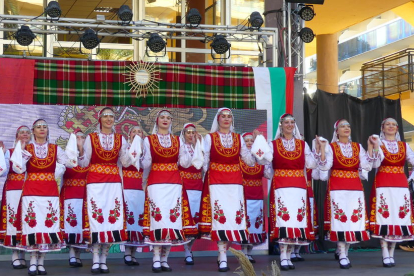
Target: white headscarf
[(21, 128), (162, 112), (382, 135), (335, 135), (215, 126), (37, 123), (130, 130), (101, 113), (187, 125), (279, 132)]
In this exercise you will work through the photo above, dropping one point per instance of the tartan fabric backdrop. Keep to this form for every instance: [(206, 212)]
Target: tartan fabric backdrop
[(102, 83)]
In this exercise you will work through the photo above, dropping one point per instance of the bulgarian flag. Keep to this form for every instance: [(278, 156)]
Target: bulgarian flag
[(274, 92)]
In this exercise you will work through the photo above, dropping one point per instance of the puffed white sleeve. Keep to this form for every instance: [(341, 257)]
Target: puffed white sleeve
[(310, 161), (326, 165), (63, 159), (264, 161), (268, 171), (85, 159), (124, 157), (207, 149), (246, 154), (22, 155), (410, 159), (146, 160), (5, 170), (184, 156), (380, 156), (365, 161)]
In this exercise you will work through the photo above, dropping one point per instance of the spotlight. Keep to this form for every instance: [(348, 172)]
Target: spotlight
[(256, 20), (307, 13), (194, 17), (53, 9), (24, 36), (125, 14), (155, 43), (90, 39), (307, 35), (220, 46)]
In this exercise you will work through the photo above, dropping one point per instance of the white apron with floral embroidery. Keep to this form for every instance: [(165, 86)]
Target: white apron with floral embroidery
[(194, 198), (73, 221), (12, 199), (255, 212), (287, 206), (134, 212)]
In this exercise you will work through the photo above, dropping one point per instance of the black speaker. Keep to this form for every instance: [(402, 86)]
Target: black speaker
[(319, 2)]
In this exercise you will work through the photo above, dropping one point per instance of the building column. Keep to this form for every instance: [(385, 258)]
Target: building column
[(327, 62)]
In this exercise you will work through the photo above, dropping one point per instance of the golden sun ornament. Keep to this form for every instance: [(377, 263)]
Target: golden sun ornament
[(143, 77)]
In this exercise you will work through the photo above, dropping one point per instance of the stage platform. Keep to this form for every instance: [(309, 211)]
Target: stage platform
[(364, 263)]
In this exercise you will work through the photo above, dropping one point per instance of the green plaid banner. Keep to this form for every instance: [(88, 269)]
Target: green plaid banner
[(71, 82)]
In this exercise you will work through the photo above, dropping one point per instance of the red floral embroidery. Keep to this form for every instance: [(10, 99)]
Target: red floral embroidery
[(175, 212), (130, 215), (240, 214), (282, 211), (141, 220), (51, 217), (218, 214), (259, 219), (248, 223), (30, 217), (155, 211), (339, 214), (196, 217), (71, 218), (115, 213), (12, 216), (383, 209), (405, 208), (97, 213), (357, 214), (301, 211)]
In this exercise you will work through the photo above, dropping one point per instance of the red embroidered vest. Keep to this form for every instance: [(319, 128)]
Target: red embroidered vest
[(288, 160)]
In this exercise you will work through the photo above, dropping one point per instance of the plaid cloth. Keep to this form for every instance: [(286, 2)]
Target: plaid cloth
[(102, 83)]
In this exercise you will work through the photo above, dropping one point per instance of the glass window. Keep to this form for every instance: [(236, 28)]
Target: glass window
[(23, 7), (241, 10), (163, 11)]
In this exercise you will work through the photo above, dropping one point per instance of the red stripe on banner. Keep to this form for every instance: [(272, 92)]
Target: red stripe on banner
[(16, 78), (290, 88)]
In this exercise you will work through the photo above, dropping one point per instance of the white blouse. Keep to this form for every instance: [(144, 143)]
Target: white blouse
[(107, 142), (227, 142), (184, 157)]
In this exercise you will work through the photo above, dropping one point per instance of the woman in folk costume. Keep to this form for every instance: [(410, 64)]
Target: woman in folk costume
[(193, 183), (291, 222), (167, 218), (391, 212), (223, 210), (134, 198), (104, 223), (71, 204), (346, 220), (253, 191), (39, 210), (12, 191)]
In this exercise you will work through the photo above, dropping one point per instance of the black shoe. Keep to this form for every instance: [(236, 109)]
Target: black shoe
[(291, 266), (95, 270), (299, 258), (165, 268), (128, 262), (284, 267), (384, 264), (336, 255), (134, 261), (23, 262), (250, 257), (20, 266), (343, 266), (223, 269), (71, 263), (293, 259), (34, 272), (392, 261), (189, 260), (79, 264), (103, 270), (39, 272), (156, 269)]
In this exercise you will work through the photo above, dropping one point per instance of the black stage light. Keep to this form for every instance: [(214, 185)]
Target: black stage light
[(53, 9), (319, 2), (307, 13), (220, 44), (256, 20), (24, 36), (90, 39), (155, 43), (194, 17), (307, 35), (125, 14)]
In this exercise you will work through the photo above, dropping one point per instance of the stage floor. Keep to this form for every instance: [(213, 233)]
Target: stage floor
[(364, 263)]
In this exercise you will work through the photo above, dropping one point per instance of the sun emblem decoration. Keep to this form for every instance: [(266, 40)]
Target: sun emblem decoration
[(143, 77)]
